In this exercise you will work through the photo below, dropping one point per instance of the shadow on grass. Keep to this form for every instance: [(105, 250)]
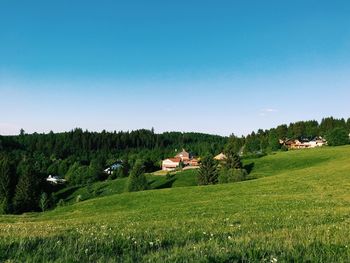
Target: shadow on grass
[(249, 167), (167, 184), (66, 193)]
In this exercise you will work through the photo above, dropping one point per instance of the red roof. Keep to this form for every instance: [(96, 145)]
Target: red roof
[(175, 160)]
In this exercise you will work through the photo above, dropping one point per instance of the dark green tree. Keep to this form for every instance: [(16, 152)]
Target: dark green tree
[(252, 143), (6, 185), (137, 180), (26, 195), (208, 172), (233, 161), (330, 123), (273, 141), (232, 169), (282, 131), (337, 137), (234, 144)]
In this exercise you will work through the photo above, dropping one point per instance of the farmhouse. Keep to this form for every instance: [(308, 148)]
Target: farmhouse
[(170, 164), (183, 157)]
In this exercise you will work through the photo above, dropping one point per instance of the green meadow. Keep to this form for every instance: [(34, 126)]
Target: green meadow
[(297, 209), (156, 180)]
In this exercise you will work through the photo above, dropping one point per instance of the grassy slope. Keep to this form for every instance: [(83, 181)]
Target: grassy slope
[(118, 186), (301, 213)]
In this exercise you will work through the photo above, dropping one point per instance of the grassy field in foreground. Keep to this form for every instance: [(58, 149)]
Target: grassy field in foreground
[(298, 210)]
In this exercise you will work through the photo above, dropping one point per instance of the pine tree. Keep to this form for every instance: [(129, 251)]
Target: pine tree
[(6, 185), (137, 179), (233, 161), (125, 167), (337, 137), (208, 171), (26, 196)]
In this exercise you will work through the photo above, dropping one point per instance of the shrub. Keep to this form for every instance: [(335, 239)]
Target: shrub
[(61, 203), (44, 201), (113, 176), (4, 206), (232, 175), (284, 148), (78, 199)]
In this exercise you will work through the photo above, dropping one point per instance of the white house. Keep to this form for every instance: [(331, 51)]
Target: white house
[(55, 179), (317, 142), (170, 164)]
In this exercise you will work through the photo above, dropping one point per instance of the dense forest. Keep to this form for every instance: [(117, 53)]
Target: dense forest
[(81, 156)]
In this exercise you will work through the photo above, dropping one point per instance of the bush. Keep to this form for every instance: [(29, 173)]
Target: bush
[(44, 201), (112, 176), (78, 199), (4, 206), (61, 203), (284, 148), (232, 175)]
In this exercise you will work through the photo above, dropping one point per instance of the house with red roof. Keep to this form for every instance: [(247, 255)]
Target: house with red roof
[(183, 157), (171, 164)]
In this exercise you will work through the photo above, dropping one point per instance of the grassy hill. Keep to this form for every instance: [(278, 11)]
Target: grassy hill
[(297, 210), (157, 180)]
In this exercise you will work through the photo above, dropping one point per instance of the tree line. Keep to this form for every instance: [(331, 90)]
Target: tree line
[(81, 157), (335, 131)]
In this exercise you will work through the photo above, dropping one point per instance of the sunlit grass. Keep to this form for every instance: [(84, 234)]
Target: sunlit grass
[(299, 212)]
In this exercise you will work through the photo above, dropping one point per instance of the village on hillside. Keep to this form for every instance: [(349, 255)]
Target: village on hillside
[(187, 161), (303, 143)]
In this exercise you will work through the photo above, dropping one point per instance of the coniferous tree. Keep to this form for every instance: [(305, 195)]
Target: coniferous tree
[(137, 179), (125, 167), (232, 168), (232, 161), (6, 185), (337, 137), (208, 171), (273, 141), (26, 195)]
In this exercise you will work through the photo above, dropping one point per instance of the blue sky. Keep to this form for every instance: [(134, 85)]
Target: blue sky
[(220, 67)]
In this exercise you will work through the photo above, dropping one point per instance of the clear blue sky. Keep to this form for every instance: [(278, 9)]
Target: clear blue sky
[(210, 66)]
